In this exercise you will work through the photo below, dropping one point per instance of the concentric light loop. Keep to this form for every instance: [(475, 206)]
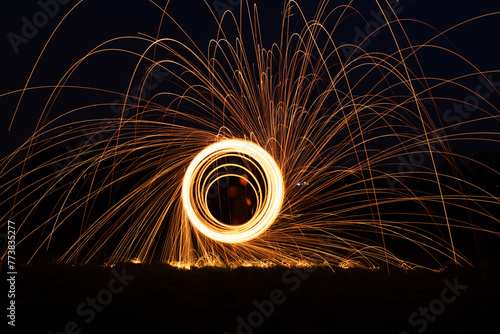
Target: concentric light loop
[(195, 189)]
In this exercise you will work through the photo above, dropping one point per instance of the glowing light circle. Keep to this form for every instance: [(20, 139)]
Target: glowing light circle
[(195, 190)]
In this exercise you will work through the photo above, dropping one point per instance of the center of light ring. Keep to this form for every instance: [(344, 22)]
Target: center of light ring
[(195, 188)]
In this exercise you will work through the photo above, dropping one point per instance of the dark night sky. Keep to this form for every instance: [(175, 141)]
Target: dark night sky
[(97, 21)]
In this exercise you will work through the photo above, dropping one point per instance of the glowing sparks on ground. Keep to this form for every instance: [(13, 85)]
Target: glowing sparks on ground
[(135, 261)]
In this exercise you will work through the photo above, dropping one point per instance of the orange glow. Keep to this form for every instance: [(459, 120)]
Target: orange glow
[(320, 127), (195, 192)]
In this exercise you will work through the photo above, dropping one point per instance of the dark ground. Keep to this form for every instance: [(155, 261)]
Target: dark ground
[(161, 299)]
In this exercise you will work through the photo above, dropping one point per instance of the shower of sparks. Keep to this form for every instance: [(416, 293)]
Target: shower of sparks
[(320, 131)]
